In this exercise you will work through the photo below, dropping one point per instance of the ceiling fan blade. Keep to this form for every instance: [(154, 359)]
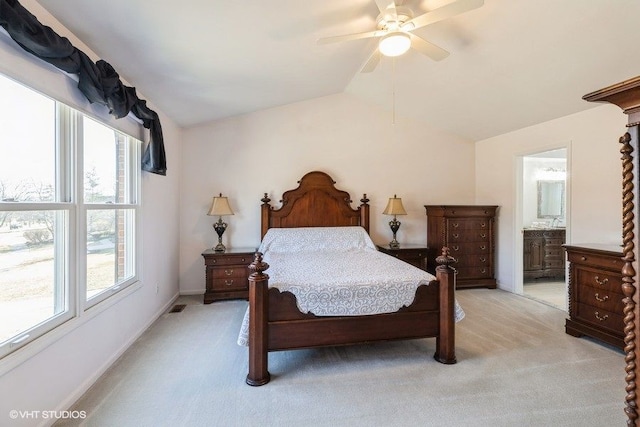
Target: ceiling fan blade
[(372, 62), (356, 36), (426, 48), (444, 12)]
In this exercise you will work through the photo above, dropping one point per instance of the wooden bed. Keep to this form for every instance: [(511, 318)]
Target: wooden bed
[(275, 323)]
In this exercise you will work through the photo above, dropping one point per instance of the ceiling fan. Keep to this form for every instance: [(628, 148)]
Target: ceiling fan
[(395, 26)]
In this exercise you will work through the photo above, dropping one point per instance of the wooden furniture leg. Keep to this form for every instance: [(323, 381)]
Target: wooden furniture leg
[(258, 328)]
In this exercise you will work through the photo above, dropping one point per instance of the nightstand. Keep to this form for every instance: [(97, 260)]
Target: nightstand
[(413, 254), (227, 274)]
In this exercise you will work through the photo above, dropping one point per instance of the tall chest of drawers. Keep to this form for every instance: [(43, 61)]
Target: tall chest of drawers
[(468, 232), (595, 293)]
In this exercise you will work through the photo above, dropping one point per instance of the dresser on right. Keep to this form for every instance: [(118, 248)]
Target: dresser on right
[(468, 232), (595, 293)]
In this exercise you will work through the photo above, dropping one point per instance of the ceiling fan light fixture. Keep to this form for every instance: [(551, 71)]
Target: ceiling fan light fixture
[(394, 44)]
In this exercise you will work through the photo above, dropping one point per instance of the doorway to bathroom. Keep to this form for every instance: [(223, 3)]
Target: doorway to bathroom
[(544, 221)]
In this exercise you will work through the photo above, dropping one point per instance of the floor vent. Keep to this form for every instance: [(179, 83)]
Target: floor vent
[(177, 308)]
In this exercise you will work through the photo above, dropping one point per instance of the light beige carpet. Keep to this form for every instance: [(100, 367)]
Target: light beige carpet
[(516, 367), (548, 292)]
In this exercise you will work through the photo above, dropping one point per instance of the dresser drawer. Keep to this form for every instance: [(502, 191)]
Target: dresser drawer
[(461, 250), (601, 298), (473, 260), (600, 317), (468, 236), (594, 260), (463, 224), (473, 272), (598, 279), (468, 211)]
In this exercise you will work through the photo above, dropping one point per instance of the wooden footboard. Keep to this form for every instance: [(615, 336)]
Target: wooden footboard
[(275, 323)]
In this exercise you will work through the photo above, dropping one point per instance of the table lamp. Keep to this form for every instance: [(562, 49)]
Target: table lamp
[(219, 207), (394, 207)]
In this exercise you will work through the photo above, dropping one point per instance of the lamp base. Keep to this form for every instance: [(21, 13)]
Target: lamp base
[(394, 244), (220, 248)]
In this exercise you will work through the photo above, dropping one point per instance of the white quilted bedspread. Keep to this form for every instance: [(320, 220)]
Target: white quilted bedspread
[(338, 272)]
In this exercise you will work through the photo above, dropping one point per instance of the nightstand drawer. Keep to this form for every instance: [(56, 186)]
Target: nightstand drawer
[(234, 271), (231, 283), (230, 260)]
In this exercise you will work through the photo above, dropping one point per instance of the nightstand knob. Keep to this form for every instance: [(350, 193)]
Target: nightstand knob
[(213, 261), (483, 247), (228, 272), (243, 260), (228, 282), (456, 235), (456, 225), (483, 235)]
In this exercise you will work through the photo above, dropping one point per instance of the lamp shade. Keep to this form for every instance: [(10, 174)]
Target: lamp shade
[(220, 206), (394, 207), (394, 44)]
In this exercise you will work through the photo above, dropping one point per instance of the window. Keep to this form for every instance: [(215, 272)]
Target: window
[(69, 208)]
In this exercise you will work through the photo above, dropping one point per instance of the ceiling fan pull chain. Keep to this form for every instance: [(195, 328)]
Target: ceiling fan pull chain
[(393, 91)]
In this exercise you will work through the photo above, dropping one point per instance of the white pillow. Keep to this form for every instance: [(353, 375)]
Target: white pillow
[(305, 239)]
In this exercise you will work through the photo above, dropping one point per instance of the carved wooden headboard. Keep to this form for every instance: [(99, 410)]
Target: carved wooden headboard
[(315, 203)]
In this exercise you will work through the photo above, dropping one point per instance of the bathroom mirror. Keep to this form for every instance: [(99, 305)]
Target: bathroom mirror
[(550, 199)]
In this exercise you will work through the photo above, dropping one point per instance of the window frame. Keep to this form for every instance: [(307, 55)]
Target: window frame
[(70, 245)]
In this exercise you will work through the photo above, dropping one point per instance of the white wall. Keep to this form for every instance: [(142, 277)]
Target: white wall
[(593, 183), (355, 143), (54, 377)]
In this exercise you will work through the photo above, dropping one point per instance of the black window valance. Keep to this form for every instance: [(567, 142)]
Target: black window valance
[(99, 82)]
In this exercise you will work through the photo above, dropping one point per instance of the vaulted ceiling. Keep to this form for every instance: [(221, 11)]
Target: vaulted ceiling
[(512, 63)]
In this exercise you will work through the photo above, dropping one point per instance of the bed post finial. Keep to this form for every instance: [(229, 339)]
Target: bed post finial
[(265, 200), (258, 266), (445, 259), (364, 212)]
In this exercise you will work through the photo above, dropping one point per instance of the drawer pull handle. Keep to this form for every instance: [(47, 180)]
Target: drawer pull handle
[(242, 260), (601, 282), (601, 318), (228, 282), (213, 261), (601, 299), (583, 258), (456, 248), (483, 225), (483, 271), (483, 260), (456, 225), (483, 247), (456, 235), (483, 235), (228, 272)]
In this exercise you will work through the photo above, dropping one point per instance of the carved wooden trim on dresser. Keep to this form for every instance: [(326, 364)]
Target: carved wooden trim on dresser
[(626, 95)]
